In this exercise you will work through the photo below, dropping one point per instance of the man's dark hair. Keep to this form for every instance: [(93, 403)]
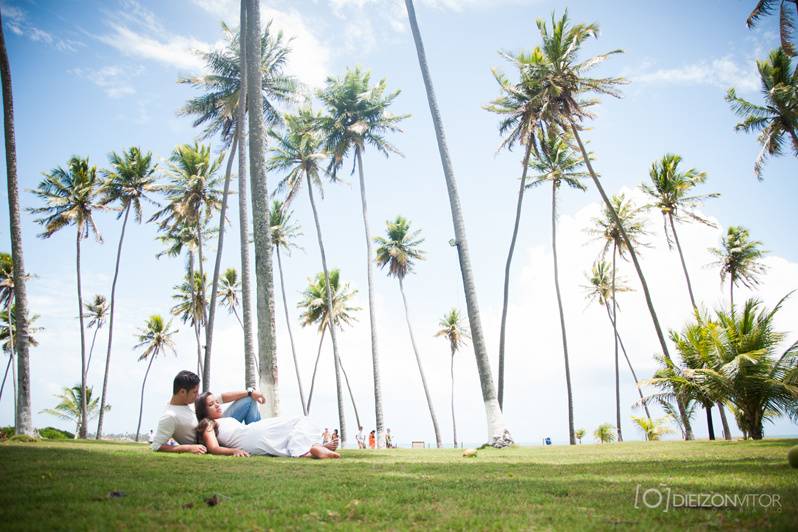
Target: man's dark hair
[(185, 380)]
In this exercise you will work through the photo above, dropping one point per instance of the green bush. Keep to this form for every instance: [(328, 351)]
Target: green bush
[(6, 432), (52, 433), (22, 438), (792, 456)]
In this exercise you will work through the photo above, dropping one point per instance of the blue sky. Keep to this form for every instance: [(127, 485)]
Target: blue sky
[(91, 77)]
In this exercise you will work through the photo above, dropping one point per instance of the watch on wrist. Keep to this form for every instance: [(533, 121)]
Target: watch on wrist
[(249, 391)]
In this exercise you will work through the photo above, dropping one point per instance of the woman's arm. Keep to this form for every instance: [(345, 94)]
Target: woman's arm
[(212, 444), (229, 397)]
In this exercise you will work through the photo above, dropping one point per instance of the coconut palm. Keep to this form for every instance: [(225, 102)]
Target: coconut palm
[(580, 434), (129, 181), (357, 116), (6, 302), (498, 434), (670, 192), (70, 406), (317, 300), (604, 433), (70, 197), (190, 298), (653, 429), (673, 385), (739, 259), (556, 163), (778, 117), (399, 251), (568, 96), (22, 414), (228, 293), (155, 338), (786, 20), (284, 231), (97, 312), (8, 335), (451, 328)]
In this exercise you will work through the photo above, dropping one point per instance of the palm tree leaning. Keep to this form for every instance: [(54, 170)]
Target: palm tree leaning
[(228, 293), (452, 329), (786, 20), (398, 251), (155, 338), (190, 298), (70, 407), (70, 197), (97, 312), (778, 117), (567, 92), (299, 154), (356, 116), (556, 163), (739, 259), (498, 435), (670, 191), (284, 231), (129, 181), (22, 414)]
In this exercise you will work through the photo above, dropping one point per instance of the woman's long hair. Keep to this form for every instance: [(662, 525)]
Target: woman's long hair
[(201, 411)]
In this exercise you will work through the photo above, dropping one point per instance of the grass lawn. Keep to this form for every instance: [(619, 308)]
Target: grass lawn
[(66, 485)]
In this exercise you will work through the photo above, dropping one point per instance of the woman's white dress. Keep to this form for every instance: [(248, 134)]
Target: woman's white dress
[(276, 436)]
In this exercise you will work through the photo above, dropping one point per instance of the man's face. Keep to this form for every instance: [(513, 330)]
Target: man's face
[(191, 395)]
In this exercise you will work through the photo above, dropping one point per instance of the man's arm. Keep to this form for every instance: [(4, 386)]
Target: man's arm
[(196, 449), (166, 429), (229, 397)]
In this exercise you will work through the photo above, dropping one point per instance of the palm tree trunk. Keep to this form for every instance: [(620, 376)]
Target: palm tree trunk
[(290, 334), (331, 314), (375, 359), (507, 270), (679, 402), (438, 439), (91, 350), (710, 425), (726, 432), (628, 361), (315, 368), (251, 371), (82, 434), (498, 434), (194, 317), (217, 266), (141, 403), (617, 373), (5, 376), (454, 422), (731, 293), (101, 417), (238, 318), (264, 275), (22, 413), (201, 268), (681, 257), (351, 395), (571, 433)]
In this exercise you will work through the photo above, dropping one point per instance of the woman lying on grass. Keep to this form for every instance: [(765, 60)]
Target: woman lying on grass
[(289, 437)]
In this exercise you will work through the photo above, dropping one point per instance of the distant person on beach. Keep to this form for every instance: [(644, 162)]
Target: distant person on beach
[(388, 439), (360, 438), (372, 440), (335, 440), (325, 436)]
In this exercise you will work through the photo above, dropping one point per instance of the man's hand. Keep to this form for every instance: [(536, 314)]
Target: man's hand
[(258, 397), (240, 452), (197, 449)]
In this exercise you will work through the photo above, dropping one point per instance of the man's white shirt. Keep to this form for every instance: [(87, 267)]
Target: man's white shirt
[(178, 422)]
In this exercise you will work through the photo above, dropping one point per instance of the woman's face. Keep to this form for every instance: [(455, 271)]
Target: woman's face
[(214, 407)]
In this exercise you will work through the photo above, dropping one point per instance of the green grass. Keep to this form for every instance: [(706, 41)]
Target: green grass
[(65, 485)]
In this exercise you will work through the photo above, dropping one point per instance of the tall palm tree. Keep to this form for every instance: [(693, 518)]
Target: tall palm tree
[(298, 153), (670, 191), (786, 20), (778, 117), (190, 298), (739, 259), (556, 163), (228, 292), (97, 312), (70, 406), (155, 338), (217, 110), (358, 116), (567, 95), (317, 300), (70, 197), (264, 275), (284, 231), (22, 414), (399, 251), (129, 181), (8, 335), (498, 434), (451, 328), (521, 122)]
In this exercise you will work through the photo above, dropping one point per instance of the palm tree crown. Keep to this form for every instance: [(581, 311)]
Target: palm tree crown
[(786, 20), (284, 230), (229, 289), (451, 328), (191, 300), (557, 163), (131, 177), (600, 283), (155, 337), (739, 257), (97, 311), (609, 230), (400, 249), (69, 406), (314, 302)]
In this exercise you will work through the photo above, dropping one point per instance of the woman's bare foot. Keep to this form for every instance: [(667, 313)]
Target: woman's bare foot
[(321, 452)]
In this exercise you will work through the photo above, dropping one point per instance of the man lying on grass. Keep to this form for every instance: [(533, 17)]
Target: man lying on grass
[(179, 423)]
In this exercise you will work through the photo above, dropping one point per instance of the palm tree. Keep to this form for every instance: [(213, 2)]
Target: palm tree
[(97, 312), (155, 338), (6, 279), (191, 301), (739, 259), (604, 433), (357, 116), (8, 335), (264, 275), (451, 328), (786, 21), (298, 153), (498, 434), (217, 109), (521, 122), (131, 178), (653, 429), (567, 90), (22, 414), (284, 231), (317, 300), (228, 293), (6, 304), (674, 384), (556, 163), (778, 118), (670, 191), (399, 251), (70, 197), (70, 406), (580, 434)]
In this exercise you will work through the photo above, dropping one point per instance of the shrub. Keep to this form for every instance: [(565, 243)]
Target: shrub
[(52, 433), (792, 456), (6, 432), (22, 438)]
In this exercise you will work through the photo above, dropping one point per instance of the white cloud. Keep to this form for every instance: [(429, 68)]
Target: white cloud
[(176, 50), (115, 81), (724, 72), (16, 20)]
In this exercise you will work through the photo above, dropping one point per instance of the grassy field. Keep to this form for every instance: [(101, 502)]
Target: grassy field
[(68, 485)]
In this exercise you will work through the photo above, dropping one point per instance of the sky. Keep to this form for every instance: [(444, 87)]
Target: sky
[(93, 77)]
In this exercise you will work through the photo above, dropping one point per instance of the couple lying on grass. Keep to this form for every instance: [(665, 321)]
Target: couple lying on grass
[(238, 431)]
